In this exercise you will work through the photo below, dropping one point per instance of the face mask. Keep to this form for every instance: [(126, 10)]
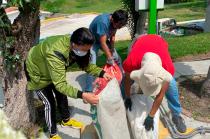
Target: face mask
[(79, 53)]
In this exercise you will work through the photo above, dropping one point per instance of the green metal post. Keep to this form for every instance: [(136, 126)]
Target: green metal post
[(152, 17)]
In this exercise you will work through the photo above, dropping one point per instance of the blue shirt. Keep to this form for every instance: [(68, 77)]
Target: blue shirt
[(101, 26)]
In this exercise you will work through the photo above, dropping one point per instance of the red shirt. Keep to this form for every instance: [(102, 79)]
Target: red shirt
[(144, 44)]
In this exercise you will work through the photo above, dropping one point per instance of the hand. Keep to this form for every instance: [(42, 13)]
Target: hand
[(110, 61), (90, 98), (107, 76), (128, 103), (149, 123)]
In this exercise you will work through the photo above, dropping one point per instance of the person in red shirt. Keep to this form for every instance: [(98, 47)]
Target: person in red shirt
[(138, 57)]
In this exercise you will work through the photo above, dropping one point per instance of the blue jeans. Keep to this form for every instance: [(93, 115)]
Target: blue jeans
[(94, 54), (172, 96)]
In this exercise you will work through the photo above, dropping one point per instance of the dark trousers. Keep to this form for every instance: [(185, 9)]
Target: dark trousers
[(50, 96)]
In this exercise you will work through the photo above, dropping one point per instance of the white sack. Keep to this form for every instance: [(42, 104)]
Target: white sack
[(111, 112), (141, 106)]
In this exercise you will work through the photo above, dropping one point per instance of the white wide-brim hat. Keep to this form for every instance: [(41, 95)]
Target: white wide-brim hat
[(151, 75)]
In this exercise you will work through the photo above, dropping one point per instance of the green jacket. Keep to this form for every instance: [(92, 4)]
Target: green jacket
[(47, 62)]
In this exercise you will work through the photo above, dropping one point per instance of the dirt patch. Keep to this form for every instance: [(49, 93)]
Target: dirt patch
[(193, 57), (193, 104)]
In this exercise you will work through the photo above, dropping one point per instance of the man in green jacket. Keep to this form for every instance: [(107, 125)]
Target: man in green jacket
[(46, 66)]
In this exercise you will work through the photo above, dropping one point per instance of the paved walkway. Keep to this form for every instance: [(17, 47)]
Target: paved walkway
[(191, 68), (67, 24)]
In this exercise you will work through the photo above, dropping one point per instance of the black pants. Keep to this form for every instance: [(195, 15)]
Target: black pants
[(47, 96)]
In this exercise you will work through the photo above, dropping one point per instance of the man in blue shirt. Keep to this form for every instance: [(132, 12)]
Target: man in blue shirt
[(104, 28)]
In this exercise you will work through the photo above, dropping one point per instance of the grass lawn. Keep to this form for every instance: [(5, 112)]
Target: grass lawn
[(189, 45), (81, 6), (184, 11), (181, 11), (121, 46), (178, 46)]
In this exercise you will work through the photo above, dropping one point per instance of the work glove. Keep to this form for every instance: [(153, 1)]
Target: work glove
[(116, 58), (128, 103), (110, 61), (149, 123)]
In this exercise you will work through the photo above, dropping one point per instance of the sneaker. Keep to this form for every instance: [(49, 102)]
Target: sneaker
[(56, 136), (73, 123), (179, 123)]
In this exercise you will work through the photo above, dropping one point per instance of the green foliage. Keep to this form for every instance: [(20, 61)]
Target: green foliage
[(129, 6), (9, 50), (2, 23), (6, 44), (11, 60), (21, 3), (178, 1), (184, 11), (18, 3)]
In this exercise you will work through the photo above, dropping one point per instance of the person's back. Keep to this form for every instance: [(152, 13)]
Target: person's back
[(37, 58), (149, 43), (100, 26)]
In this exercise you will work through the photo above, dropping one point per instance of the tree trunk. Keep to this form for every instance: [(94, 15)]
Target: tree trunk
[(205, 89), (207, 23), (141, 23), (140, 26), (19, 106)]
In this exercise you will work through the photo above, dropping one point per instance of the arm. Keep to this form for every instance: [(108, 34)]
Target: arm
[(104, 46), (127, 84), (128, 102), (112, 40), (149, 122), (57, 71), (99, 72), (94, 70), (158, 99)]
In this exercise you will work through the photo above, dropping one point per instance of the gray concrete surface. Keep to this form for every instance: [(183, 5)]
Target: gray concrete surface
[(68, 24), (191, 68)]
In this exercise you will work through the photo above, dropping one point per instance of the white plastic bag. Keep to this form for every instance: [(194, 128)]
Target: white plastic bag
[(141, 106), (111, 113)]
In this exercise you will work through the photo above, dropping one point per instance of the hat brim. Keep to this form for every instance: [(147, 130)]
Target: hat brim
[(135, 75), (151, 91)]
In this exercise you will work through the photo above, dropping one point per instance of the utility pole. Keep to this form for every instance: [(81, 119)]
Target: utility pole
[(152, 6), (152, 17)]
